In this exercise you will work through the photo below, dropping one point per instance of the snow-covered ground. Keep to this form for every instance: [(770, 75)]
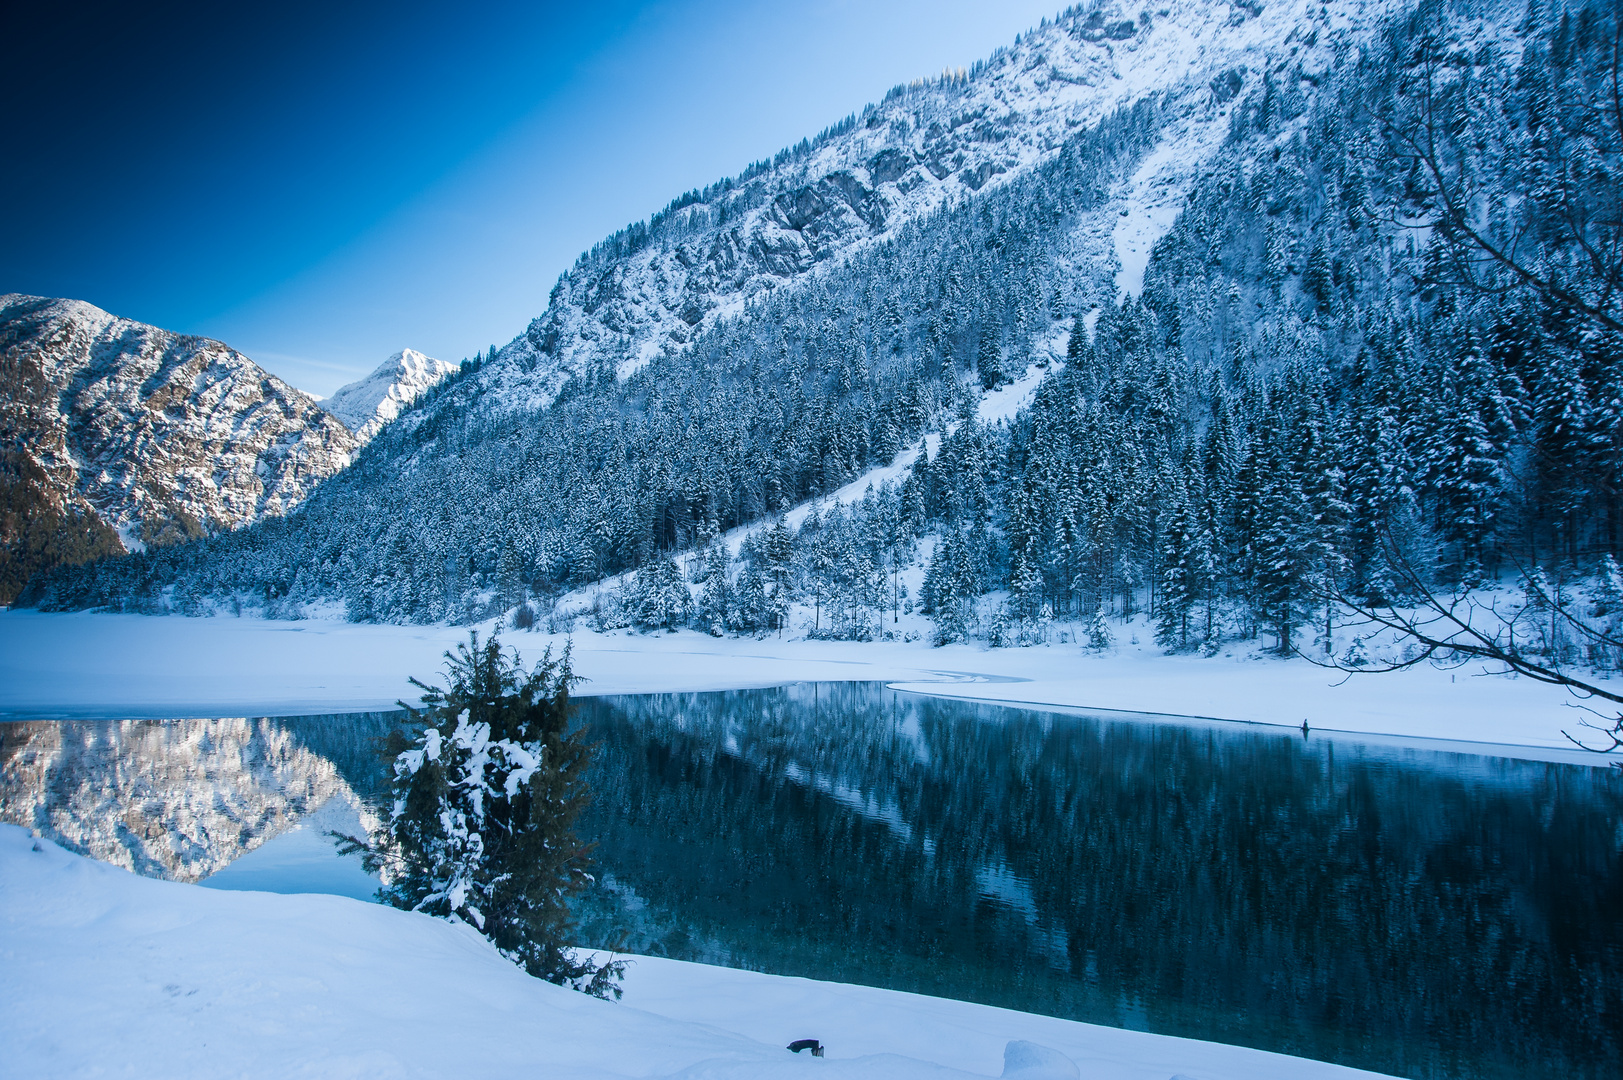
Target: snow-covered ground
[(1153, 197), (133, 665), (106, 973), (1004, 403)]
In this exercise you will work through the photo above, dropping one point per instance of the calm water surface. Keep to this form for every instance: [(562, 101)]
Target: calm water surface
[(1423, 914)]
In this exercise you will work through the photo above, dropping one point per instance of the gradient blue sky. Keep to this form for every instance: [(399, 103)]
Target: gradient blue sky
[(320, 185)]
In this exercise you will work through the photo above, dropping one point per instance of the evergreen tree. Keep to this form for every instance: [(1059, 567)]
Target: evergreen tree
[(754, 611), (1099, 636), (1186, 556), (989, 359), (481, 830), (951, 585), (716, 600), (661, 596)]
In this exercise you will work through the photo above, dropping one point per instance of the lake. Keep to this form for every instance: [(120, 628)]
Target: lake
[(1421, 913)]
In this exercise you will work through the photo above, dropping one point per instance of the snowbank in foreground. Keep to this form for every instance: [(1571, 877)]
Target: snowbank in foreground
[(134, 665), (104, 972)]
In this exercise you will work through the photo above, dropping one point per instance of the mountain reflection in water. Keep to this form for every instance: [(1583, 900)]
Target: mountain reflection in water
[(1417, 913), (179, 799)]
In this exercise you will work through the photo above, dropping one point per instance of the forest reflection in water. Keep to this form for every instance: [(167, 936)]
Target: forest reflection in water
[(1418, 913)]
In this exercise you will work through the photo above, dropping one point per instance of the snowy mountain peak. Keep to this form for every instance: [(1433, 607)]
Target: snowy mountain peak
[(365, 405)]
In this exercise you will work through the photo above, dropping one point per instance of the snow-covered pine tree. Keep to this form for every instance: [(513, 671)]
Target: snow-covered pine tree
[(485, 800), (1099, 635), (752, 609), (950, 588), (989, 358), (1607, 594), (1283, 556), (662, 596), (1185, 553), (716, 599)]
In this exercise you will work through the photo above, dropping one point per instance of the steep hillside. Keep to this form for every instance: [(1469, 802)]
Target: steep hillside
[(766, 339), (117, 435), (658, 285)]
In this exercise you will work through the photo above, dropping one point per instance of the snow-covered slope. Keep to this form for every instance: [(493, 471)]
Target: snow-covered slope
[(1012, 196), (160, 436), (365, 405), (654, 286)]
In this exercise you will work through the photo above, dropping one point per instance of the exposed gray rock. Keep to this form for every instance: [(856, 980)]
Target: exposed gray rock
[(159, 436)]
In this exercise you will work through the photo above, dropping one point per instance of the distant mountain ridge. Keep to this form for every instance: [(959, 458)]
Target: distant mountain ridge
[(116, 435)]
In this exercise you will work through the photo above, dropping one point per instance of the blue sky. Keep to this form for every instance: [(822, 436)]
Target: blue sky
[(320, 185)]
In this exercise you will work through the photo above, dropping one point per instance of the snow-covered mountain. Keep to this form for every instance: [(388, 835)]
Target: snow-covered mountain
[(657, 285), (117, 435), (1242, 175), (858, 279), (365, 405)]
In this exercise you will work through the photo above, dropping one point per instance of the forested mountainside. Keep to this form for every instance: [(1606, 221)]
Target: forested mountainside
[(1385, 323), (116, 435), (657, 286)]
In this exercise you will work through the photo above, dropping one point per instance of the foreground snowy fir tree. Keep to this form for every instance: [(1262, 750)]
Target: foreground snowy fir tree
[(485, 800)]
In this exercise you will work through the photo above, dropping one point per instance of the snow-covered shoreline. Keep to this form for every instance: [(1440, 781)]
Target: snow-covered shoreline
[(98, 665), (105, 972)]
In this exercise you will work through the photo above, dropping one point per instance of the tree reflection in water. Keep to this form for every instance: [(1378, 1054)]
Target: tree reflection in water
[(1417, 913)]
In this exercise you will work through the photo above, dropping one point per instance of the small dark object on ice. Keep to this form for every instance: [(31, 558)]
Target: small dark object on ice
[(807, 1044), (1304, 729)]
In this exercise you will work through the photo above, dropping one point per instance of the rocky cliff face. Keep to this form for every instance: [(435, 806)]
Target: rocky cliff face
[(365, 405), (115, 435), (656, 285)]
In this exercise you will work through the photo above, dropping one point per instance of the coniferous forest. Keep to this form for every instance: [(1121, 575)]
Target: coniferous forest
[(1381, 345)]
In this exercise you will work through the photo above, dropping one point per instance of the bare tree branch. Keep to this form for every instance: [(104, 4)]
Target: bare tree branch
[(1469, 247), (1454, 630)]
